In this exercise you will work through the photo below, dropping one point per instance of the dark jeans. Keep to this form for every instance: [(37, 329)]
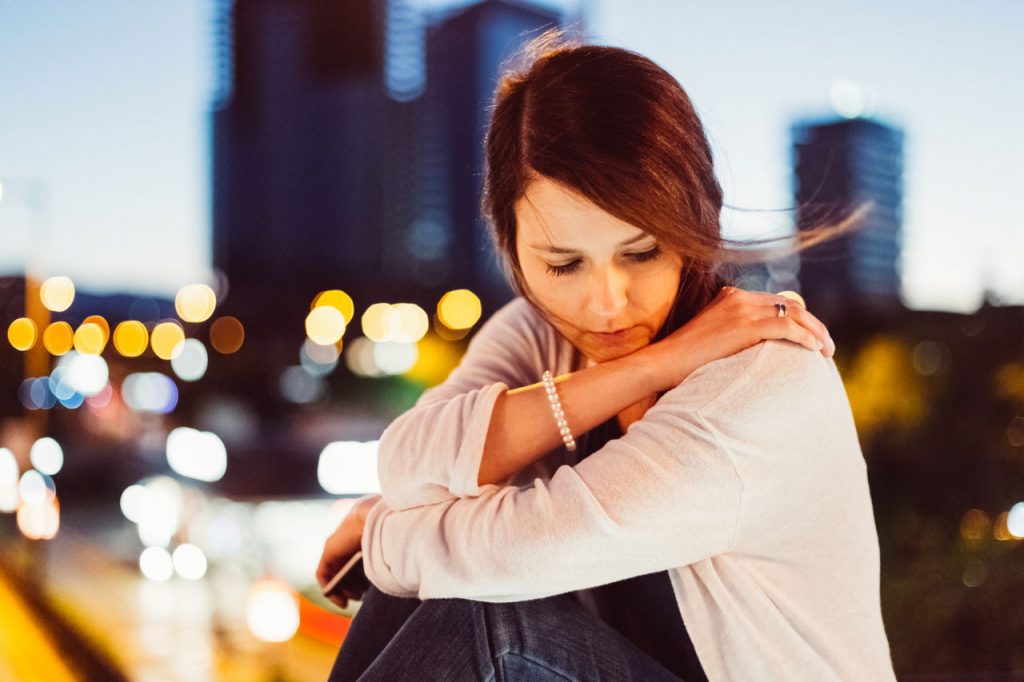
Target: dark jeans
[(554, 638)]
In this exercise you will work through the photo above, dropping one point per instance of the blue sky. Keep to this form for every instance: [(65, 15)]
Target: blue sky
[(105, 110)]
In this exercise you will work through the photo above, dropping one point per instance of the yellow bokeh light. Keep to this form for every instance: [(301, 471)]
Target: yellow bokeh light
[(1000, 530), (58, 338), (103, 324), (459, 309), (165, 339), (227, 335), (413, 322), (22, 333), (448, 334), (435, 362), (195, 302), (336, 298), (974, 525), (89, 339), (379, 322), (325, 325), (131, 338), (57, 293)]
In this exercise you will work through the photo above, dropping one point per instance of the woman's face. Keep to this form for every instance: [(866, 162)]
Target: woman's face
[(592, 272)]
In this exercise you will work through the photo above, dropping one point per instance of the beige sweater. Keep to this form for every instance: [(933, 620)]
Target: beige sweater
[(746, 481)]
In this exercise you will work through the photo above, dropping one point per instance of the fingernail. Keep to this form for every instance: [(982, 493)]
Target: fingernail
[(831, 345)]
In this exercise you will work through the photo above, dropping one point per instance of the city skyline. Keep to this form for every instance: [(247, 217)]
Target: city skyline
[(142, 102)]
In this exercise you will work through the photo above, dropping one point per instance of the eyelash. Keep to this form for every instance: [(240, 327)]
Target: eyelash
[(569, 268)]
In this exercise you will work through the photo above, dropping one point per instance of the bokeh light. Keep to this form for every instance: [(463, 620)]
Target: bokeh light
[(459, 309), (39, 520), (196, 454), (22, 333), (131, 502), (58, 337), (349, 468), (195, 302), (413, 323), (156, 564), (84, 374), (272, 610), (380, 322), (89, 338), (325, 325), (57, 293), (393, 357), (1015, 520), (35, 487), (165, 339), (227, 335), (150, 392), (336, 298), (190, 360), (8, 481), (189, 562), (159, 511), (131, 338), (47, 456)]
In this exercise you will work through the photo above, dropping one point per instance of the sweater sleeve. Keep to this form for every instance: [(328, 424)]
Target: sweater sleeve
[(665, 494), (432, 452)]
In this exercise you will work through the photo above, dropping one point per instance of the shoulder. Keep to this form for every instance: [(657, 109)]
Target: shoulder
[(517, 323), (774, 376), (517, 315)]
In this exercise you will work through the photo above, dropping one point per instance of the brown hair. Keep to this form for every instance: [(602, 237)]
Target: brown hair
[(615, 127)]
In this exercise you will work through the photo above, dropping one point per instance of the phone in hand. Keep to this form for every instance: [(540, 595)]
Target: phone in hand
[(350, 579)]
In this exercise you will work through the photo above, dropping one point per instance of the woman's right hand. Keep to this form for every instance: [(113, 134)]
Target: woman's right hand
[(735, 320)]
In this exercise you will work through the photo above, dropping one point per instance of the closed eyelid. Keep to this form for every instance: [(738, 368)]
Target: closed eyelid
[(641, 251)]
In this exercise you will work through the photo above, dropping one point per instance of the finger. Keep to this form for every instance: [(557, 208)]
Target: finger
[(801, 316), (789, 329)]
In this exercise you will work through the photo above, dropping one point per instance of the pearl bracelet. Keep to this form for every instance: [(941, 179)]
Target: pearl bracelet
[(556, 407)]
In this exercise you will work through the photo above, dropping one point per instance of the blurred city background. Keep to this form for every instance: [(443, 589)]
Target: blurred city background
[(238, 238)]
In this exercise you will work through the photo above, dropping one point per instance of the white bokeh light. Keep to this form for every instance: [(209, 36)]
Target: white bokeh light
[(196, 454), (349, 467), (155, 563), (47, 456)]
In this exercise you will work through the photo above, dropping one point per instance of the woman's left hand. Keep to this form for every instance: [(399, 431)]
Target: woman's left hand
[(342, 544)]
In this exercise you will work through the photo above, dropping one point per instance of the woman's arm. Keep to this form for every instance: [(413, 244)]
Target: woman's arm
[(522, 427), (472, 429), (665, 494)]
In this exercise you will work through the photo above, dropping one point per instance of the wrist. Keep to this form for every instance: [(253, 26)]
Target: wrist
[(648, 365)]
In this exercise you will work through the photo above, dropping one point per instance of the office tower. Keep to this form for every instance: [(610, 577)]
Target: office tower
[(837, 166), (303, 139), (465, 50)]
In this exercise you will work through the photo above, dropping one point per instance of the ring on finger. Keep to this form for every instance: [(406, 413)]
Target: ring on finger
[(780, 309)]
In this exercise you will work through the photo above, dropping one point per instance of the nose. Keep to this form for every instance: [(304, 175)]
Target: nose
[(609, 293)]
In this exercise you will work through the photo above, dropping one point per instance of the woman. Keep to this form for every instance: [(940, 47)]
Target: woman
[(686, 499)]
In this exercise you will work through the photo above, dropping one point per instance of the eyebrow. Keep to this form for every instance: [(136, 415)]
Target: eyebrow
[(559, 249)]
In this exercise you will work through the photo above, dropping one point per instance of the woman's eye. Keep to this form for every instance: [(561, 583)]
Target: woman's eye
[(646, 255), (564, 269), (569, 268)]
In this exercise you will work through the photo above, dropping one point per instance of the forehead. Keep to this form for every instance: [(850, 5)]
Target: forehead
[(551, 214)]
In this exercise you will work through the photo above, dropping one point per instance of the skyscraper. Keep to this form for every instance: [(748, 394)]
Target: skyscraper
[(465, 50), (302, 137), (838, 165)]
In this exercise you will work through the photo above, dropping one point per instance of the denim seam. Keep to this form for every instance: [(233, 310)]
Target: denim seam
[(536, 662)]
